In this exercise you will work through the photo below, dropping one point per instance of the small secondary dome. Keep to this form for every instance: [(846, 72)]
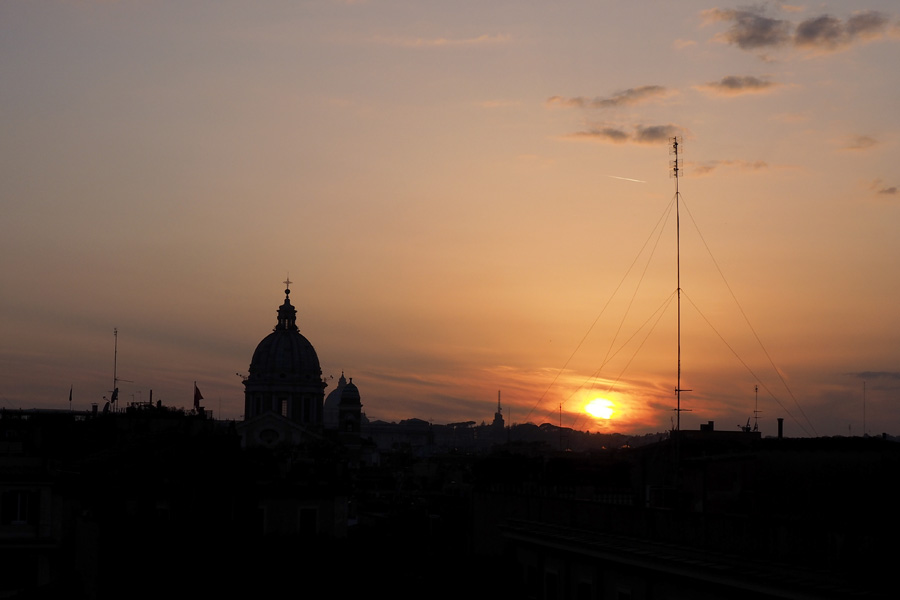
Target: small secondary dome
[(332, 400), (350, 394)]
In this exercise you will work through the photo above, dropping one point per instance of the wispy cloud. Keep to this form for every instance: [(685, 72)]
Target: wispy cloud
[(827, 33), (640, 134), (860, 142), (480, 40), (734, 85), (752, 29), (629, 97), (653, 134), (883, 190), (707, 167), (602, 134), (883, 376)]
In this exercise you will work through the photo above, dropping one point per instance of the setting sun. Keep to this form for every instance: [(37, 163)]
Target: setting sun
[(600, 408)]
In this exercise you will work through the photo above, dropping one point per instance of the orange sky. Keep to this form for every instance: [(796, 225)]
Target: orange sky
[(469, 199)]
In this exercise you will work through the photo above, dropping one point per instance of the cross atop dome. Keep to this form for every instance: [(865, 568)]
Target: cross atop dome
[(287, 314)]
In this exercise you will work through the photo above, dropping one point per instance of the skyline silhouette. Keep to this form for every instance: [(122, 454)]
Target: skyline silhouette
[(468, 199)]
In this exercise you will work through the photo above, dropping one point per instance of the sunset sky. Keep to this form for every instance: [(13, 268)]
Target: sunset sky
[(469, 198)]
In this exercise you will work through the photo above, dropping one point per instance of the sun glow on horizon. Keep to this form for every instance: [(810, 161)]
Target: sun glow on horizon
[(600, 408)]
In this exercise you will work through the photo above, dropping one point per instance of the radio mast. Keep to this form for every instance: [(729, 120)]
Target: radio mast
[(676, 165)]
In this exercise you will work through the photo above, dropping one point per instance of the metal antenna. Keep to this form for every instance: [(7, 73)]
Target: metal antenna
[(756, 410), (676, 165), (114, 398), (115, 391)]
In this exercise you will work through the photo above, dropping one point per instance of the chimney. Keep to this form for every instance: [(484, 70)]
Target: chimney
[(780, 428)]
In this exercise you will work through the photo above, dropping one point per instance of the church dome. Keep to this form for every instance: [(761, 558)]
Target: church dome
[(285, 355), (332, 400), (350, 394), (285, 377)]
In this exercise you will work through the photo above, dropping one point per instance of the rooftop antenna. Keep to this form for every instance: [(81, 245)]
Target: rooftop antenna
[(756, 409), (676, 164), (560, 426), (115, 391)]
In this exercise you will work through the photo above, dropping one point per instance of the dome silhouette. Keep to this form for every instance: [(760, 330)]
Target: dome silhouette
[(285, 354), (285, 375)]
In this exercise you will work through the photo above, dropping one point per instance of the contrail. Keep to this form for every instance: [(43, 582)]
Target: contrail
[(627, 179)]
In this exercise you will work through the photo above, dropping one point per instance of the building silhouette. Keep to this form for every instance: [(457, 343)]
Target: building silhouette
[(285, 377), (306, 494)]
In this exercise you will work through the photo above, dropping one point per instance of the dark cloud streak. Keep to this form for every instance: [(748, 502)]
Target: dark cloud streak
[(744, 165), (751, 29), (629, 97), (643, 134), (861, 142), (733, 85), (655, 133), (830, 33), (609, 134), (883, 190)]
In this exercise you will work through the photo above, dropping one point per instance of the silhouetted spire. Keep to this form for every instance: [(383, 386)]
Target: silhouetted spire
[(287, 314), (498, 416)]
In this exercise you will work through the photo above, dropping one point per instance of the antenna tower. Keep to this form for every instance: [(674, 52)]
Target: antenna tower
[(115, 391), (114, 397), (676, 165), (756, 408)]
